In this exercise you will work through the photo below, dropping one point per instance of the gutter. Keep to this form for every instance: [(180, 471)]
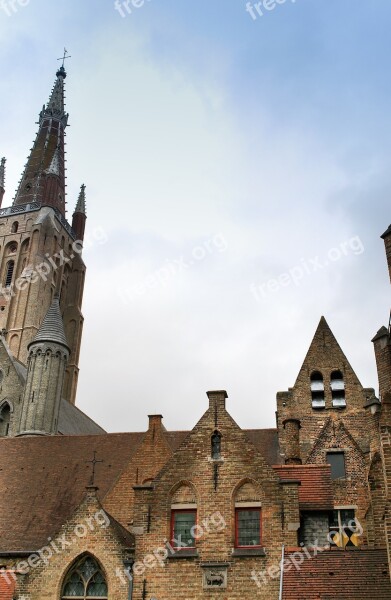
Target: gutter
[(15, 553), (282, 572)]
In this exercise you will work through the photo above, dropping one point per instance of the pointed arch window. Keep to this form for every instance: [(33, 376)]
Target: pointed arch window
[(9, 273), (216, 445), (317, 390), (5, 417), (84, 581), (337, 385)]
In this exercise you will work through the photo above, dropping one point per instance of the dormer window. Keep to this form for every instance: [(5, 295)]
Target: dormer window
[(317, 390), (337, 385)]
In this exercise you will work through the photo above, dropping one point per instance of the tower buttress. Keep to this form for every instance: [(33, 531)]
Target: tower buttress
[(47, 360)]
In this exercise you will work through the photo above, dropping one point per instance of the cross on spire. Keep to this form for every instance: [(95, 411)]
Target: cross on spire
[(65, 57), (94, 462)]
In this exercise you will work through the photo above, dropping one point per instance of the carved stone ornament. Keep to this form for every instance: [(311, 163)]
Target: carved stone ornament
[(214, 576)]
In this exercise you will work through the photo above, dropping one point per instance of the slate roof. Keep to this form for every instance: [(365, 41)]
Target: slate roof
[(72, 421), (316, 489), (52, 327), (266, 440), (339, 575)]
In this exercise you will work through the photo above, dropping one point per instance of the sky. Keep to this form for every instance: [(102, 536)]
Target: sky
[(237, 171)]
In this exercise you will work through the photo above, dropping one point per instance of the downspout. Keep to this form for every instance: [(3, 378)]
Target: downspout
[(282, 572)]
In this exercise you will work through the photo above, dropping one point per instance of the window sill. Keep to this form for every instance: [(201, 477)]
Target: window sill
[(190, 553), (249, 552)]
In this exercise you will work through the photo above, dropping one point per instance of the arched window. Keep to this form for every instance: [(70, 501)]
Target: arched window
[(5, 417), (216, 445), (337, 385), (248, 516), (9, 273), (14, 227), (85, 580), (183, 518), (317, 390)]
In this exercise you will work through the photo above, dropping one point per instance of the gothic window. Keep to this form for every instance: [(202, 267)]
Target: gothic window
[(216, 445), (183, 524), (14, 227), (317, 390), (183, 517), (9, 273), (85, 580), (248, 516), (337, 389), (337, 462), (5, 417), (248, 527)]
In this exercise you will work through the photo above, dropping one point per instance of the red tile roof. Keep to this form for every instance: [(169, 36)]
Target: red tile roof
[(7, 586), (316, 490), (339, 575)]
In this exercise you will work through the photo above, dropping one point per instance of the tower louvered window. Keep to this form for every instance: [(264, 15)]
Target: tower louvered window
[(85, 580), (317, 390), (337, 389), (9, 273)]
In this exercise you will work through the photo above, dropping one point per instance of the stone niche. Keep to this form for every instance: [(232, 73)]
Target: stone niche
[(214, 576)]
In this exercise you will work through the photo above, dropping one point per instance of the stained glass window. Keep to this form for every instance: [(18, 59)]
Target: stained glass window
[(85, 580)]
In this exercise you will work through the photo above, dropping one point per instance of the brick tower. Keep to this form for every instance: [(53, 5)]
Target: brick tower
[(40, 252)]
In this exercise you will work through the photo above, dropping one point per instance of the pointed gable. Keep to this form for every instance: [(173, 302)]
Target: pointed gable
[(325, 355)]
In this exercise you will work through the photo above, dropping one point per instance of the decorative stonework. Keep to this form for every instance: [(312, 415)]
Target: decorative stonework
[(214, 576)]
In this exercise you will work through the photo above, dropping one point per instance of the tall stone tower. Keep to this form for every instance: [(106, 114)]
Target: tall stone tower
[(40, 252), (47, 361)]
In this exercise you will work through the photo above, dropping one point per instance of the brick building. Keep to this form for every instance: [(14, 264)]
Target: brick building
[(301, 510)]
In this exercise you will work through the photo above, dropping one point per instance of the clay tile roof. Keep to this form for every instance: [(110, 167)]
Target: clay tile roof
[(339, 575), (52, 327), (266, 440), (316, 490), (7, 586), (43, 480)]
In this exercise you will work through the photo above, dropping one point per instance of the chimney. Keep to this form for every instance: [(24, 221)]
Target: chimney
[(292, 441)]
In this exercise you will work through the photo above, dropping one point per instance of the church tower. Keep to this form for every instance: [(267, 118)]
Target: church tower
[(46, 364), (40, 252)]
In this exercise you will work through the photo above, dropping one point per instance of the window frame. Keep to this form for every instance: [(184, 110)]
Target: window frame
[(341, 529), (239, 509), (334, 453), (175, 511)]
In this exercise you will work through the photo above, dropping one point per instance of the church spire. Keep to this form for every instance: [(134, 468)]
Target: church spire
[(79, 216), (2, 180), (43, 180)]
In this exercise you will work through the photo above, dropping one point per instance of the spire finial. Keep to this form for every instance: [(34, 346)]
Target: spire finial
[(61, 71)]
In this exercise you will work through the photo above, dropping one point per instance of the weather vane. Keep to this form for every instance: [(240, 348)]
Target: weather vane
[(93, 462), (64, 58)]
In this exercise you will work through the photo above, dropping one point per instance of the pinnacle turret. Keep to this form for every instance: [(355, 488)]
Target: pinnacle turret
[(79, 216), (52, 327)]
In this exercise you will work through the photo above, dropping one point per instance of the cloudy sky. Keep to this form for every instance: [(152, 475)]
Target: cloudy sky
[(237, 166)]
